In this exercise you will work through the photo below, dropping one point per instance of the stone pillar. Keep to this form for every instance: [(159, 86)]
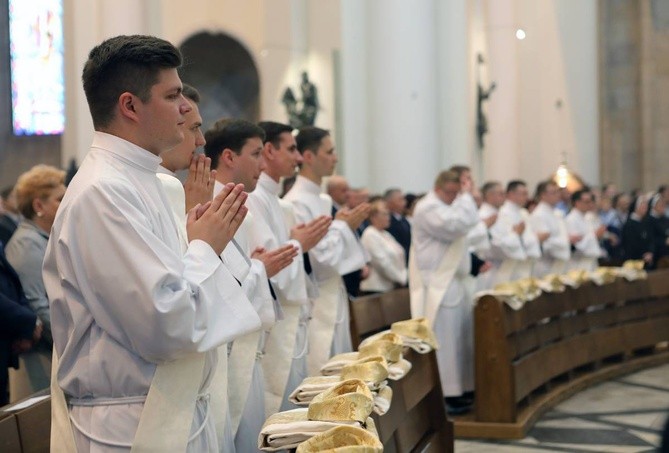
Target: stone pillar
[(394, 79), (501, 157)]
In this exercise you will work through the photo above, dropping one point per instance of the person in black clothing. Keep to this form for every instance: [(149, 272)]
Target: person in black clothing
[(659, 227), (19, 328), (9, 220), (637, 238), (399, 227)]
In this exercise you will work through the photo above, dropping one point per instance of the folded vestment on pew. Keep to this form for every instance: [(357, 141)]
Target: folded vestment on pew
[(417, 334), (575, 277), (633, 270), (286, 430), (349, 400), (343, 439), (313, 385), (347, 403), (336, 363), (388, 345), (551, 283)]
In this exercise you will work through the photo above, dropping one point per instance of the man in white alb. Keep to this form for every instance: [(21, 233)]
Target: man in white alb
[(556, 247), (337, 254), (438, 266), (235, 148), (133, 318), (587, 250), (182, 157), (515, 246), (274, 225)]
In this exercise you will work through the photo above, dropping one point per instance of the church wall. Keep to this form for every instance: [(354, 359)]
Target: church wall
[(529, 134)]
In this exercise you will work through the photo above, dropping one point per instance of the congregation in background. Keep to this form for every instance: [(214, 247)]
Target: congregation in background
[(252, 282)]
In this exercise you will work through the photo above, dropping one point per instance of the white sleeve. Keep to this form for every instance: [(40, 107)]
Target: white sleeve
[(448, 223), (141, 292), (506, 239), (339, 249), (382, 259)]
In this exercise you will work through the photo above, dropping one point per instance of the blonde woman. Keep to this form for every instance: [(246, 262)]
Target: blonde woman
[(387, 268), (38, 195)]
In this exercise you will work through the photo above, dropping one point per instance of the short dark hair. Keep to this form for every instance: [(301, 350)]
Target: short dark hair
[(310, 138), (514, 184), (229, 133), (4, 194), (190, 92), (488, 186), (576, 196), (124, 63), (542, 187), (273, 131)]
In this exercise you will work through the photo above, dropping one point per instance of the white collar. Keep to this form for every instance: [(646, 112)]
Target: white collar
[(127, 151)]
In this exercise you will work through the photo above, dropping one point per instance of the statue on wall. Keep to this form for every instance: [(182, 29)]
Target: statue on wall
[(483, 95), (302, 113)]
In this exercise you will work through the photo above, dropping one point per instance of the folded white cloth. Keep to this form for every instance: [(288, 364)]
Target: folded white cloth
[(286, 430), (397, 371), (313, 385), (336, 363)]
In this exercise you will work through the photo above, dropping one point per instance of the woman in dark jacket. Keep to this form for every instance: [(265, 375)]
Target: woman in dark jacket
[(659, 227), (637, 238), (19, 328)]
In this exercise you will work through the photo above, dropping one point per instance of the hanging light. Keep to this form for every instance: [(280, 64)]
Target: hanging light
[(562, 175)]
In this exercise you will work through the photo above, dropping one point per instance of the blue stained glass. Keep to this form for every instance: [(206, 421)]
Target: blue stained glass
[(36, 54)]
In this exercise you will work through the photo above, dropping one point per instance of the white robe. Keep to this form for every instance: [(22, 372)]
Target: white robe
[(124, 298), (387, 266), (270, 230), (556, 249), (337, 254), (435, 227), (246, 393), (587, 250), (508, 246)]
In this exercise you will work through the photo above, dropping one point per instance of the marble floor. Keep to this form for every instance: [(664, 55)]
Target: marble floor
[(624, 415)]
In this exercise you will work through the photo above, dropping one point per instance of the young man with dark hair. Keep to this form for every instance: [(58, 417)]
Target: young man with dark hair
[(337, 254), (235, 147), (199, 185), (135, 321), (274, 226)]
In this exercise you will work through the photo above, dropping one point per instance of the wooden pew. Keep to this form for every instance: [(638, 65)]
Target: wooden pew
[(26, 430), (416, 421), (529, 360)]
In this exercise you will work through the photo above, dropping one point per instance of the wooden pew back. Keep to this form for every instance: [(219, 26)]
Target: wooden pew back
[(560, 336), (416, 420)]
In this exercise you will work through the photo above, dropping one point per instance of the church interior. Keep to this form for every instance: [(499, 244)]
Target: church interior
[(568, 350)]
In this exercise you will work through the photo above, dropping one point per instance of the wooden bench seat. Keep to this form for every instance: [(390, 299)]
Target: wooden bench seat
[(528, 360), (416, 421)]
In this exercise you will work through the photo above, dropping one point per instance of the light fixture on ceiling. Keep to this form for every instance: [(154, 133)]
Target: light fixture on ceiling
[(520, 34)]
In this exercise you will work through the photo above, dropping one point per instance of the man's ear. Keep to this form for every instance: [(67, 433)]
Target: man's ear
[(227, 157), (127, 105), (268, 152), (308, 156)]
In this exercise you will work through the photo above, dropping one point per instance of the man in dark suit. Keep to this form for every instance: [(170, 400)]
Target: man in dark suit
[(9, 220), (399, 228), (19, 328)]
